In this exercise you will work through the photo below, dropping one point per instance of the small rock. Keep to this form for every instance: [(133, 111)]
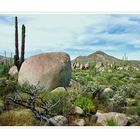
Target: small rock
[(72, 82), (13, 71), (120, 68), (82, 67), (59, 89), (78, 110), (87, 66), (58, 121), (98, 65), (79, 122), (73, 66), (77, 65), (135, 68), (106, 90), (120, 118), (109, 70), (101, 69)]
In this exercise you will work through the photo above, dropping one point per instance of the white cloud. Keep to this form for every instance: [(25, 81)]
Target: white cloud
[(58, 32)]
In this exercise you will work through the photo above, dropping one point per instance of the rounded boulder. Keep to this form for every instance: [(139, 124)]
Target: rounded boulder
[(48, 70)]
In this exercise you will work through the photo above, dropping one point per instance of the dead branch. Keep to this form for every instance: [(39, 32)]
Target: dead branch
[(33, 93)]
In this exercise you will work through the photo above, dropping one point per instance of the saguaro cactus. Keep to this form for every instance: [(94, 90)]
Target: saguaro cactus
[(16, 43), (23, 44)]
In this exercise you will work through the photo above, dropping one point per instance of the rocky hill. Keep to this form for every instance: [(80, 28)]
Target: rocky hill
[(102, 57), (99, 56)]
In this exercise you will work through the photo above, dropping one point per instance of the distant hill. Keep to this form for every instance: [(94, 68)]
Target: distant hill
[(100, 56)]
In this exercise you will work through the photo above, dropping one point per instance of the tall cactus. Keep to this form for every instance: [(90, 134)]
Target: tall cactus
[(23, 44), (16, 43)]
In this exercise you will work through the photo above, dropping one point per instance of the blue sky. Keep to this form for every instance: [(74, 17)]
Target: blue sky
[(76, 34)]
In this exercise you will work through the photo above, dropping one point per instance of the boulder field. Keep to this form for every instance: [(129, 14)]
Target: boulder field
[(48, 70)]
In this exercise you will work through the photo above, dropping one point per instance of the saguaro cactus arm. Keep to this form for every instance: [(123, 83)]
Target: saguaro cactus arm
[(23, 44), (16, 43)]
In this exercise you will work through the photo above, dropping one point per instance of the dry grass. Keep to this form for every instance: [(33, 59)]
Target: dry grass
[(22, 117)]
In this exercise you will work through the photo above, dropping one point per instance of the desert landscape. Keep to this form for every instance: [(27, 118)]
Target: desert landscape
[(53, 89)]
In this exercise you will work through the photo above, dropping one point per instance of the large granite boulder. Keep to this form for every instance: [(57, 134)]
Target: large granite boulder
[(49, 70)]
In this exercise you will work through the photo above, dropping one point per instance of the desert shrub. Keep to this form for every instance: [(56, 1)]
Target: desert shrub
[(128, 90), (59, 103), (101, 80), (91, 90), (111, 122), (137, 95), (136, 75), (116, 82), (131, 102), (7, 86), (115, 104), (93, 70), (3, 70), (86, 104), (88, 78), (133, 110), (22, 117), (119, 100), (1, 106), (138, 110), (76, 90), (136, 81), (106, 75), (105, 97), (81, 80)]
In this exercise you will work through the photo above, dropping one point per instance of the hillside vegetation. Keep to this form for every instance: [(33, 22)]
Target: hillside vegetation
[(106, 85)]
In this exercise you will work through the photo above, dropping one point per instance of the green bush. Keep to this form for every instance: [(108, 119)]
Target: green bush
[(138, 110), (119, 100), (59, 103), (1, 106), (7, 86), (3, 70), (131, 110), (128, 90), (111, 122), (86, 104)]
